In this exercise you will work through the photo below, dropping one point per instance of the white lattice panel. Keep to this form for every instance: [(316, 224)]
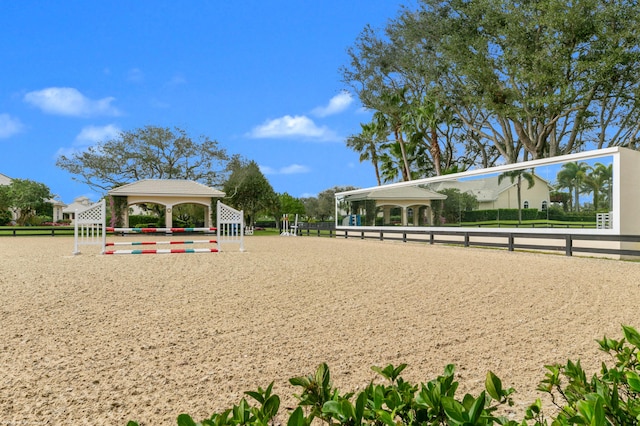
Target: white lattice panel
[(230, 226), (90, 226)]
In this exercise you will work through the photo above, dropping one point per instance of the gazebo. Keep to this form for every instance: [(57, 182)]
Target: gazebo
[(168, 193), (408, 199)]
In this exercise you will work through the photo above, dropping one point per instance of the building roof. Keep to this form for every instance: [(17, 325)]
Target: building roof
[(406, 193), (5, 180), (166, 187), (80, 203)]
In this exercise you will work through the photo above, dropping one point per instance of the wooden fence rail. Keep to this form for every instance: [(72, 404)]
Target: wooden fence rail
[(562, 242)]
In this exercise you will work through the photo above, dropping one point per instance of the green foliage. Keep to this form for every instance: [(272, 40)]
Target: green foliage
[(518, 78), (117, 206), (27, 198), (612, 398), (136, 220), (456, 202), (150, 152), (5, 217), (499, 214), (248, 189)]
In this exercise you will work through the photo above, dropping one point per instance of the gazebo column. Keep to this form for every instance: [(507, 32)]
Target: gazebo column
[(207, 216), (386, 215), (125, 216), (405, 218), (168, 215)]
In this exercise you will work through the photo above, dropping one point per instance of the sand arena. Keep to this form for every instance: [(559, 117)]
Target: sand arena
[(93, 339)]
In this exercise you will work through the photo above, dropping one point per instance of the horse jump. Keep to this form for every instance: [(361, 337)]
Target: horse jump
[(90, 229)]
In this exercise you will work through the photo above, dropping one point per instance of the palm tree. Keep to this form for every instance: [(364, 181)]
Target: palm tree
[(598, 180), (517, 176), (390, 117), (367, 143), (571, 176)]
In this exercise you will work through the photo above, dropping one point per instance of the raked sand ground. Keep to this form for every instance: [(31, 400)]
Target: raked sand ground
[(99, 340)]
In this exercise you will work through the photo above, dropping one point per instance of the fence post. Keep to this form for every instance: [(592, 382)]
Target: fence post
[(466, 239), (511, 242), (568, 241)]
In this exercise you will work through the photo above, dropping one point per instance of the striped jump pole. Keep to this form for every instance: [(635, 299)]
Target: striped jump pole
[(162, 251), (156, 230), (154, 243)]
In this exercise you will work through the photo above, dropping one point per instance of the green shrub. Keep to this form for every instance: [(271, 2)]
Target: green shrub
[(611, 398), (5, 217), (136, 220)]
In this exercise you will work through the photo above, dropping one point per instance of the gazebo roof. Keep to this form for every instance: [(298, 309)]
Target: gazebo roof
[(405, 193), (167, 187)]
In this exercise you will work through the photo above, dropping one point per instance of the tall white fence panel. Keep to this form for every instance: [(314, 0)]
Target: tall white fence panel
[(230, 226), (90, 226)]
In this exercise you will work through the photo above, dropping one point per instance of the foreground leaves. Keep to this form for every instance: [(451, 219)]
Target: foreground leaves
[(611, 398)]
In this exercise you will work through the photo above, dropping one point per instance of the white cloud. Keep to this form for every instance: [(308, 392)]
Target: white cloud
[(177, 80), (294, 169), (337, 104), (288, 126), (287, 170), (135, 75), (69, 101), (89, 136), (9, 126), (92, 134)]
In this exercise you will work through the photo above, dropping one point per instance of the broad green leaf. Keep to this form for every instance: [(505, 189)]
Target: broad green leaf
[(494, 386), (332, 407), (255, 395), (297, 418), (271, 406), (454, 410), (633, 380), (477, 408), (185, 420), (632, 335), (300, 381), (359, 409), (385, 417)]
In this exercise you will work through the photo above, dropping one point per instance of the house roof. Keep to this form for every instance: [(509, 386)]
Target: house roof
[(5, 180), (166, 187), (80, 203)]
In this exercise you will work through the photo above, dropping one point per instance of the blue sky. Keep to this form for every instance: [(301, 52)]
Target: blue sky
[(260, 77)]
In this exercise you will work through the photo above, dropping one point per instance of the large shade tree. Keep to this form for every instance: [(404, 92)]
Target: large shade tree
[(149, 152), (527, 79), (248, 189)]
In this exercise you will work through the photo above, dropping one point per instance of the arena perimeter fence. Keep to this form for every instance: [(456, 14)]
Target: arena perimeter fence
[(569, 243)]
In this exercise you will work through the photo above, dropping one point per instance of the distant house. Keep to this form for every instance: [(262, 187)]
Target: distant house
[(79, 203), (492, 194)]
